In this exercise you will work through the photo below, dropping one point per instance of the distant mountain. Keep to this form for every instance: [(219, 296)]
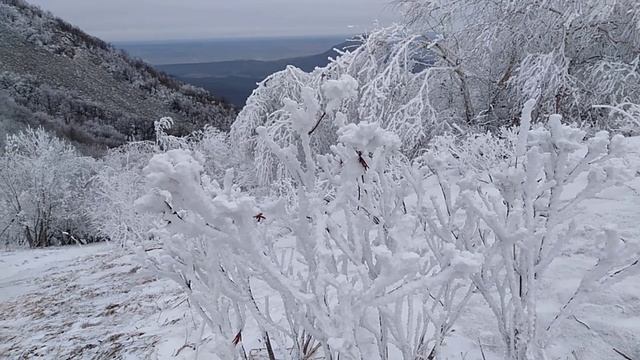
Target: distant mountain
[(54, 75), (235, 80), (165, 52)]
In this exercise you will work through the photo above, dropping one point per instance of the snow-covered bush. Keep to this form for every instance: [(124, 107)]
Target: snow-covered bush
[(113, 189), (43, 181), (120, 180), (519, 215), (213, 145), (344, 263)]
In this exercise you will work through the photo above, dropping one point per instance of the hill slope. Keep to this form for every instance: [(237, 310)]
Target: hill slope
[(53, 74)]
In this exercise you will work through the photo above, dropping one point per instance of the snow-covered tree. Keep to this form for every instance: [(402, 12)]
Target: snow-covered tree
[(391, 67), (42, 190), (567, 55)]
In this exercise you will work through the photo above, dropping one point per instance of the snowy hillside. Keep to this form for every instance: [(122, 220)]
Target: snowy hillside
[(56, 76)]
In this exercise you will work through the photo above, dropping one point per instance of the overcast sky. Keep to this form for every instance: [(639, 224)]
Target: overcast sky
[(119, 20)]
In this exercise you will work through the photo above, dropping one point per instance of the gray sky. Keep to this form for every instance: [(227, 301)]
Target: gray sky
[(118, 20)]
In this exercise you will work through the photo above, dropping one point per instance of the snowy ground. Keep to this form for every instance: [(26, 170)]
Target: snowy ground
[(90, 302)]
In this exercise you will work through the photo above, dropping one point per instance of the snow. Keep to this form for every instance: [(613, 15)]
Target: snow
[(19, 267), (525, 126), (92, 301), (336, 91), (367, 137)]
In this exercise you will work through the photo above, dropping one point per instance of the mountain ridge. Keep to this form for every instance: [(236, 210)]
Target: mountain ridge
[(167, 52)]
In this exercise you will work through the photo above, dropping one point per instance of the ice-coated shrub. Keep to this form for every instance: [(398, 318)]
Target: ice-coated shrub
[(345, 264)]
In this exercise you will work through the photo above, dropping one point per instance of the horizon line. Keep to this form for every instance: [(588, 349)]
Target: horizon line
[(240, 37)]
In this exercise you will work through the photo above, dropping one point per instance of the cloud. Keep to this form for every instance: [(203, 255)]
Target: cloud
[(117, 20)]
